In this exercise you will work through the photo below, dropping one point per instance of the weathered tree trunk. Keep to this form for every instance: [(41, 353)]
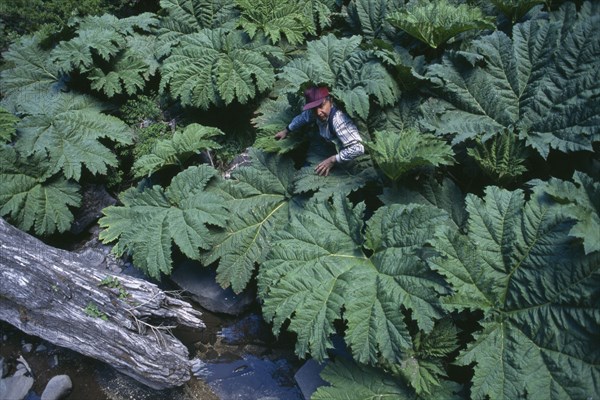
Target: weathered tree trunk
[(52, 294)]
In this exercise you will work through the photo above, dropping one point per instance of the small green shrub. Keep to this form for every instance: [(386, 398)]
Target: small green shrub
[(113, 282), (92, 310), (501, 158)]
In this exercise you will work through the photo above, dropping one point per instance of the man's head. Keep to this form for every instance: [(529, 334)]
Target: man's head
[(318, 100)]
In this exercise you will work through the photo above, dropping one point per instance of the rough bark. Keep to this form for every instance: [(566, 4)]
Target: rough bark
[(52, 294)]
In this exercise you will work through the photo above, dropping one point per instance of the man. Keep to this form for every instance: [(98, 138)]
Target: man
[(334, 125)]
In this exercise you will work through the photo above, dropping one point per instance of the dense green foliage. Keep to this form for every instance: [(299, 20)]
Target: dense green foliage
[(18, 17), (435, 22), (128, 58), (176, 150), (541, 81), (399, 152), (438, 285), (277, 20)]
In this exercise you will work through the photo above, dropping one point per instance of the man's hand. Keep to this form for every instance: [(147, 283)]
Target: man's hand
[(281, 134), (325, 166)]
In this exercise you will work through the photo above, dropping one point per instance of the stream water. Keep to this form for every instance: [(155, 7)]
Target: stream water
[(234, 358)]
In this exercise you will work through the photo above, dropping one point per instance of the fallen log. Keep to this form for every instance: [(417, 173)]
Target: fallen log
[(120, 320)]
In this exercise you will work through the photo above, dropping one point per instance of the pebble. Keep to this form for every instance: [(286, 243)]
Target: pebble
[(41, 348), (53, 362), (57, 388)]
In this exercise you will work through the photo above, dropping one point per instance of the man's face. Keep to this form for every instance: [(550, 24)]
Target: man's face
[(322, 111)]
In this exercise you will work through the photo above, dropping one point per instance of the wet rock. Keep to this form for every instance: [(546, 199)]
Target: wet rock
[(308, 378), (57, 388), (95, 198), (250, 329), (15, 387), (53, 362), (201, 283), (27, 347), (41, 348)]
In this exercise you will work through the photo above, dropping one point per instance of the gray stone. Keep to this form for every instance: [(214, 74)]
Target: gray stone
[(201, 283), (308, 378), (15, 387), (57, 388), (53, 362), (41, 348), (27, 347)]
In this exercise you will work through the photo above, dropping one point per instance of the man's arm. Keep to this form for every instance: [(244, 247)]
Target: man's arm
[(304, 118), (347, 133)]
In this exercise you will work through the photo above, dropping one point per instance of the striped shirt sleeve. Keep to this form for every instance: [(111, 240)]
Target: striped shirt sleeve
[(350, 140)]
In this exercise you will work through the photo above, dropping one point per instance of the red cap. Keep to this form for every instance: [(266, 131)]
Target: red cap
[(314, 97)]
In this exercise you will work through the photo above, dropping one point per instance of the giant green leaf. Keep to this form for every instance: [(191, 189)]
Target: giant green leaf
[(103, 36), (322, 268), (427, 190), (544, 81), (67, 129), (28, 72), (214, 67), (149, 221), (539, 294), (258, 197), (342, 179), (515, 9), (127, 77), (350, 381), (31, 198), (188, 16), (125, 47)]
